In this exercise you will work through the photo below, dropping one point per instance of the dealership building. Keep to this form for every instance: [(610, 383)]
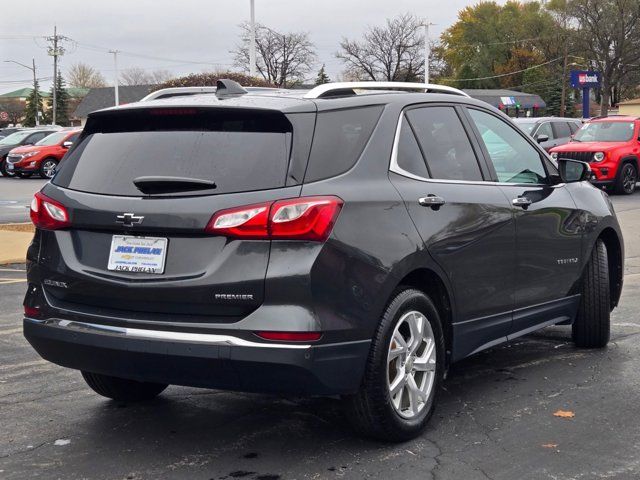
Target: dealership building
[(514, 104)]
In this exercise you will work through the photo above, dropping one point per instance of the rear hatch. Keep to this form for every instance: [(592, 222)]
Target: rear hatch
[(140, 187)]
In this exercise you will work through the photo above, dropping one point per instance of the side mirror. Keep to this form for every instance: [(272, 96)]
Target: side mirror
[(67, 144), (572, 171), (542, 138)]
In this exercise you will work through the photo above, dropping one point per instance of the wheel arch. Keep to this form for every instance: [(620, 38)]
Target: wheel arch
[(432, 284), (615, 258), (627, 159)]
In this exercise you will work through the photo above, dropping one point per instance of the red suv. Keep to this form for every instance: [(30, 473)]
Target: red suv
[(611, 145), (43, 157)]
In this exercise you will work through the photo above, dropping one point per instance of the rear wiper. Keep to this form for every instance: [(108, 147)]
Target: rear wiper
[(157, 184)]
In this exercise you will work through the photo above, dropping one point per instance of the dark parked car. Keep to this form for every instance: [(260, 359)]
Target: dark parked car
[(550, 132), (17, 139), (339, 241)]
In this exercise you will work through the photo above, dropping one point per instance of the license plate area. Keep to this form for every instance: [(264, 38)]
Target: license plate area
[(137, 254)]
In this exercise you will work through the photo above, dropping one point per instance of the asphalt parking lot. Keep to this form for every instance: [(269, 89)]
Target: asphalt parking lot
[(495, 418), (15, 197)]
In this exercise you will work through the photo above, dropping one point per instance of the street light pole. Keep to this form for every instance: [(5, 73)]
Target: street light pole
[(35, 84), (252, 41), (427, 50), (117, 79)]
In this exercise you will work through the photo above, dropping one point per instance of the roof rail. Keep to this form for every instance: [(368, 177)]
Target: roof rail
[(348, 88), (186, 91), (177, 92)]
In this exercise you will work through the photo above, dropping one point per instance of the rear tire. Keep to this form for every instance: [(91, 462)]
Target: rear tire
[(122, 389), (627, 179), (592, 326), (377, 412)]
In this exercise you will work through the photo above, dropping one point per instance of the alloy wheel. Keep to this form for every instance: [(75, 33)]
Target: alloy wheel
[(629, 178), (49, 168), (411, 364)]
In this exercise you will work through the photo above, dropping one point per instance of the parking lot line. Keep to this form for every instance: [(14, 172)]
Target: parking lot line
[(11, 270), (7, 281)]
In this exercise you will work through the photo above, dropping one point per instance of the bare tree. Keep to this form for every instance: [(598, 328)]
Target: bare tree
[(135, 76), (160, 76), (81, 75), (610, 35), (282, 58), (393, 52)]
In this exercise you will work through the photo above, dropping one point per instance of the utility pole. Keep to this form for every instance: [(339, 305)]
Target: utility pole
[(427, 50), (116, 82), (35, 91), (35, 84), (252, 41), (563, 101), (55, 50)]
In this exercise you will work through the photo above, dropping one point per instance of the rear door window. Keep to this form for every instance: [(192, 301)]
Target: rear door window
[(445, 144), (239, 155)]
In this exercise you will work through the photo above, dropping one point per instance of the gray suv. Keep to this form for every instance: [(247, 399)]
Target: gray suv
[(550, 132), (355, 240)]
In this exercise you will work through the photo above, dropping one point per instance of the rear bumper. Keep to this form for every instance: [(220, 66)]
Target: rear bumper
[(200, 360)]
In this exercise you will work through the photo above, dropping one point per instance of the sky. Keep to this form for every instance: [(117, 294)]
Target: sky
[(184, 36)]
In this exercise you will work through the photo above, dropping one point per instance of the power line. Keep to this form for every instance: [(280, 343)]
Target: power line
[(502, 74), (145, 56)]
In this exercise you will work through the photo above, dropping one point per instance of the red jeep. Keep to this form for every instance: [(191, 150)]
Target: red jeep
[(611, 145), (43, 157)]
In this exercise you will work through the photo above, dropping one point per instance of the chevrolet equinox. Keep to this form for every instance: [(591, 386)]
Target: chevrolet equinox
[(354, 240)]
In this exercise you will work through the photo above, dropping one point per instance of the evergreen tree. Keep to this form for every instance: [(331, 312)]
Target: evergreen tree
[(62, 103), (31, 108), (322, 77)]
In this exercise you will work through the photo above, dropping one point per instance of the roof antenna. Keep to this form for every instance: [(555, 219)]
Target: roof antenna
[(228, 88)]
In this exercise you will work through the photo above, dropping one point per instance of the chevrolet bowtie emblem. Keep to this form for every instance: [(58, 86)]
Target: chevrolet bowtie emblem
[(129, 219)]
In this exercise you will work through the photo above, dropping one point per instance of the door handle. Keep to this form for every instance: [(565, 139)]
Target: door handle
[(523, 202), (432, 201)]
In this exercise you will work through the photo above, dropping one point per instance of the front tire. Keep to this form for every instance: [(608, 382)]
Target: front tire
[(48, 168), (3, 168), (404, 371), (627, 179), (592, 326), (122, 389)]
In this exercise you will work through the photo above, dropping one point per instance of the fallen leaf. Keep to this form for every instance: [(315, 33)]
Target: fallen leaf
[(564, 414), (550, 445)]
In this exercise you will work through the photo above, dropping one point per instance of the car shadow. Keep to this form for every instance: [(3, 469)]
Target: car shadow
[(234, 435)]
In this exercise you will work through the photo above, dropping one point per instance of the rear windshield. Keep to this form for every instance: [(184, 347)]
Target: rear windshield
[(605, 132), (237, 155)]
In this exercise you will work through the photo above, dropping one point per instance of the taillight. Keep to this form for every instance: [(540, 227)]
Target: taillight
[(290, 336), (305, 218), (247, 222), (48, 214), (33, 312)]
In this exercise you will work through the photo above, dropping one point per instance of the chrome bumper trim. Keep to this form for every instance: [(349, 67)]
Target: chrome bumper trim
[(163, 335)]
